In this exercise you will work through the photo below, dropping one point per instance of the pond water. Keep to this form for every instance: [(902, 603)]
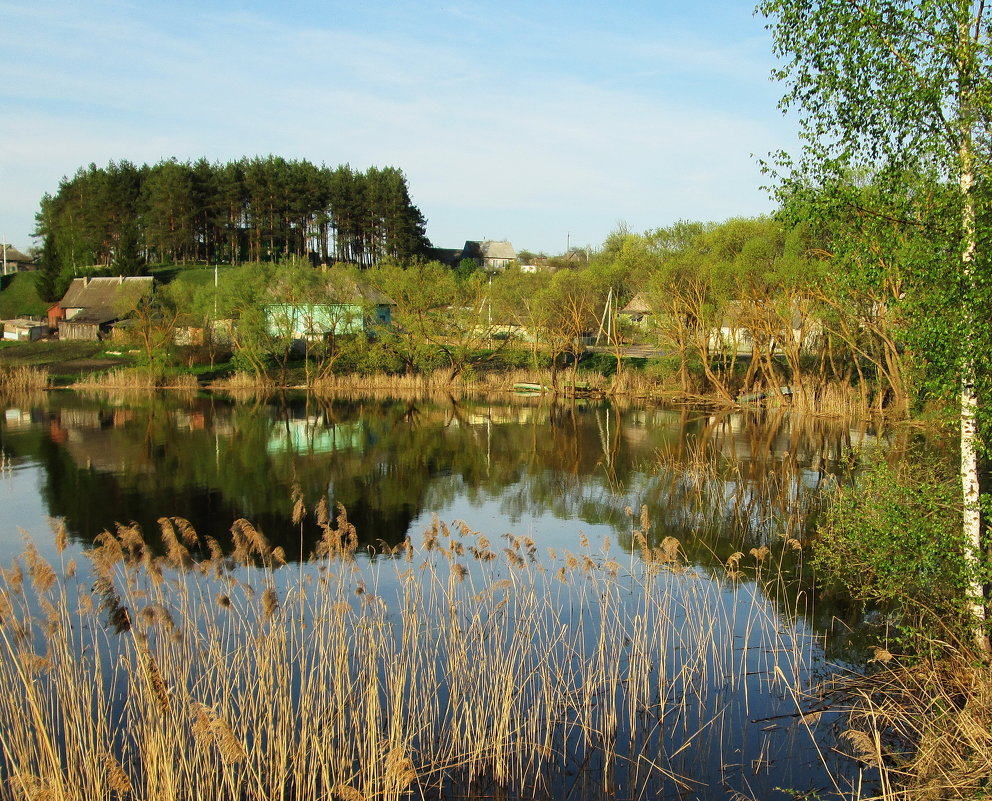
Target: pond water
[(608, 484)]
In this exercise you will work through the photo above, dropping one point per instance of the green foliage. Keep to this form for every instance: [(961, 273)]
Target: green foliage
[(52, 284), (604, 364), (245, 360), (259, 209), (466, 267), (20, 296), (897, 93), (128, 257), (512, 358), (893, 538), (893, 98), (369, 358)]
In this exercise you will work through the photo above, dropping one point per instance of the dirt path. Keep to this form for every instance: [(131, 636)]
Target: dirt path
[(80, 366)]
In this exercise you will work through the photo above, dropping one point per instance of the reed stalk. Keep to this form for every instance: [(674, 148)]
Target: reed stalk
[(22, 380), (137, 379), (441, 666)]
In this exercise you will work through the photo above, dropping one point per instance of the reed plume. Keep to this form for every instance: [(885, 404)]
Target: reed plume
[(440, 670)]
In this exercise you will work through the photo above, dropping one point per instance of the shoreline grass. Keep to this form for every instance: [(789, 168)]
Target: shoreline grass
[(924, 726), (136, 378), (23, 380), (75, 367), (446, 666)]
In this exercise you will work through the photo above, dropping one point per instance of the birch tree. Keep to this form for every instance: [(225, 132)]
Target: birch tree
[(899, 89)]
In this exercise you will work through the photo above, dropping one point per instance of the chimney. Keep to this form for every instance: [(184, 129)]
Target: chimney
[(86, 280)]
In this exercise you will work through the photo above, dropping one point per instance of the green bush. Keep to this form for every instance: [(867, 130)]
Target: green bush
[(894, 539), (605, 364), (663, 368), (515, 359)]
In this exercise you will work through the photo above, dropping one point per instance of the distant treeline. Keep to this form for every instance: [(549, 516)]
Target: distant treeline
[(257, 209)]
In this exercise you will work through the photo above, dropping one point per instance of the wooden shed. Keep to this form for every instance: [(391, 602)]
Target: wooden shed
[(24, 330), (93, 305)]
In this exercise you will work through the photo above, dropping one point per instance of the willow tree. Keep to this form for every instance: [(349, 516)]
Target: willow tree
[(899, 89)]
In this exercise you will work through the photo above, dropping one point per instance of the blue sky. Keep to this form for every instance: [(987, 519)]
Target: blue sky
[(543, 123)]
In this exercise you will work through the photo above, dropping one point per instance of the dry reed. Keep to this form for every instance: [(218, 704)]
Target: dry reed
[(831, 399), (834, 399), (445, 382), (20, 381), (242, 385), (136, 379), (448, 664), (925, 727)]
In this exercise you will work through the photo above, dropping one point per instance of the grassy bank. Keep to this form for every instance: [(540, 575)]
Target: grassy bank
[(19, 296), (924, 725), (63, 362)]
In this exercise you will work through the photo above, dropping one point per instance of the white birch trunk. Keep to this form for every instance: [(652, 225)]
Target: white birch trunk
[(972, 517)]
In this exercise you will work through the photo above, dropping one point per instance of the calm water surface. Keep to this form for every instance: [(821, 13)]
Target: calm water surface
[(555, 473)]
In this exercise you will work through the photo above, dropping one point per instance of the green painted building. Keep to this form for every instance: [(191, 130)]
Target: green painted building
[(365, 310)]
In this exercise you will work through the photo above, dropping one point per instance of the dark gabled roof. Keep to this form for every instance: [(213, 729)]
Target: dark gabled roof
[(638, 305), (489, 249), (449, 256), (14, 255), (104, 299)]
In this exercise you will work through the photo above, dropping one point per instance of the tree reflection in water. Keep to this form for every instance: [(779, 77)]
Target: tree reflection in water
[(726, 486), (740, 478)]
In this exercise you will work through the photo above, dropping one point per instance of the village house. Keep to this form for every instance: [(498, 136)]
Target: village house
[(490, 255), (358, 308), (13, 261), (450, 257), (638, 311), (92, 305)]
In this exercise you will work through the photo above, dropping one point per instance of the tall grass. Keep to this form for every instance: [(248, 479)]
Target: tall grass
[(445, 666), (436, 380), (22, 380), (831, 399), (242, 381), (923, 726), (136, 378), (443, 379)]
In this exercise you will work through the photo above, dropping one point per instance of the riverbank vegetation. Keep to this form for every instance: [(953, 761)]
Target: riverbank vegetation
[(866, 294), (454, 664), (892, 101), (21, 381), (748, 308)]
